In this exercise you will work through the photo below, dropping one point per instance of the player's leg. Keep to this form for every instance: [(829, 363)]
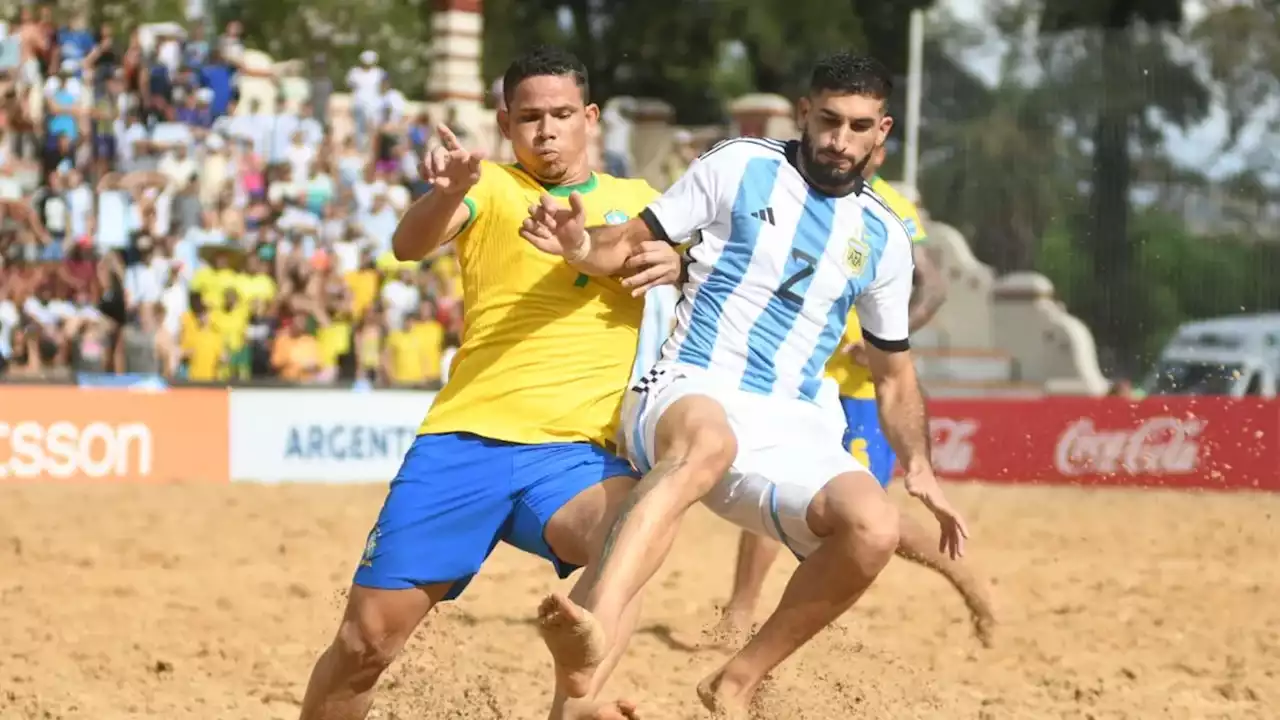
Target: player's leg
[(920, 545), (916, 543), (442, 516), (374, 628), (694, 446), (847, 530), (573, 494), (756, 554)]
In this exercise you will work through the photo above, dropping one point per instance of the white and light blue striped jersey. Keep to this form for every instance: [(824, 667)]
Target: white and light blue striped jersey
[(655, 328), (776, 266)]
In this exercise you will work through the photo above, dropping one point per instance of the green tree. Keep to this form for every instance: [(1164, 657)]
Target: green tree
[(1125, 79)]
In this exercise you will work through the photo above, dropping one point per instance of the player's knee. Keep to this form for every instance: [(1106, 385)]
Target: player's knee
[(365, 647), (699, 441), (875, 530), (860, 514)]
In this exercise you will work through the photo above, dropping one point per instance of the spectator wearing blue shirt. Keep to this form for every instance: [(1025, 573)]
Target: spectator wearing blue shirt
[(63, 94), (219, 76), (75, 42)]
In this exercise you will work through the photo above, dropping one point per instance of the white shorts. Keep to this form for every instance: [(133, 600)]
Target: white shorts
[(788, 449)]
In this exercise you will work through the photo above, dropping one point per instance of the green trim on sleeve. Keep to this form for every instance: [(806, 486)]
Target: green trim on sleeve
[(472, 211)]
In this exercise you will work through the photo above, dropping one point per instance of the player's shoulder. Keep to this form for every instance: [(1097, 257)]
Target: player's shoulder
[(898, 203), (736, 151), (882, 222), (628, 190), (496, 174)]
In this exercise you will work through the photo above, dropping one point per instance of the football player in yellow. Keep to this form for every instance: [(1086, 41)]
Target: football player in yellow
[(867, 442), (518, 445)]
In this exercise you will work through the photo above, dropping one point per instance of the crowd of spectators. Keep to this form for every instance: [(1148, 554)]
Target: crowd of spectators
[(154, 221)]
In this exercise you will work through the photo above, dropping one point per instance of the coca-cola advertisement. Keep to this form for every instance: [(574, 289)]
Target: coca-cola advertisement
[(1184, 442)]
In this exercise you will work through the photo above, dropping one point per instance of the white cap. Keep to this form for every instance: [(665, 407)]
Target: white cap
[(204, 95), (368, 57), (682, 136)]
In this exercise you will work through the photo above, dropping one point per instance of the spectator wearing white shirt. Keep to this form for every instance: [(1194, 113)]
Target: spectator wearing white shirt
[(178, 167), (145, 280), (300, 156), (79, 197), (400, 298), (365, 83), (379, 222)]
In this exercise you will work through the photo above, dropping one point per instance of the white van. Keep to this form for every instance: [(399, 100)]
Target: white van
[(1237, 355)]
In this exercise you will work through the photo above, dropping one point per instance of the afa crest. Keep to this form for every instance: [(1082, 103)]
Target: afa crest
[(370, 547), (856, 255), (616, 217)]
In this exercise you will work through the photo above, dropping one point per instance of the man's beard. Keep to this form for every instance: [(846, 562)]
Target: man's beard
[(828, 176)]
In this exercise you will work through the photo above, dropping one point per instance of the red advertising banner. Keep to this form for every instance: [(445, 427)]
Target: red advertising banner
[(1178, 442)]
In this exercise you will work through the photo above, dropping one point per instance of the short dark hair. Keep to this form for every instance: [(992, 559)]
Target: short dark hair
[(852, 74), (541, 61)]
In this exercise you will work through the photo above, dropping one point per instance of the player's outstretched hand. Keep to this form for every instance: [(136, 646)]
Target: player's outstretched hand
[(450, 168), (555, 229), (655, 264), (923, 486)]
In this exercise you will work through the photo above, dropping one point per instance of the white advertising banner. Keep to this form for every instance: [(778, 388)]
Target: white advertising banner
[(328, 436)]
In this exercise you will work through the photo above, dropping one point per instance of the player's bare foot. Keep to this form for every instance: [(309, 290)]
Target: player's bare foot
[(984, 624), (576, 642), (720, 701), (616, 710), (983, 619), (730, 632)]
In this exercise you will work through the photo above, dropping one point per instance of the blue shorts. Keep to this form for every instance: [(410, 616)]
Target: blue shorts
[(865, 440), (457, 495)]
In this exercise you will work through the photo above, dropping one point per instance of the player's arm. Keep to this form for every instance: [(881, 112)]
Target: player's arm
[(689, 205), (444, 211), (883, 311), (930, 288), (431, 221)]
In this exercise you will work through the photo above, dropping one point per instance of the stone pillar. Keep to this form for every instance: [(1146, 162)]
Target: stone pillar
[(763, 115), (651, 132), (456, 27)]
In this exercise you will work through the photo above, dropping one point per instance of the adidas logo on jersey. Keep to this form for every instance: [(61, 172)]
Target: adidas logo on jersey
[(765, 215)]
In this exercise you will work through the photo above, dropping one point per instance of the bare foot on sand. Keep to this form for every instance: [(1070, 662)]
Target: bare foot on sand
[(586, 710), (730, 633), (984, 620), (716, 699), (576, 642)]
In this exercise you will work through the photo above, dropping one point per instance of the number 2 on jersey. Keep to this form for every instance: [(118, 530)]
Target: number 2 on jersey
[(802, 273)]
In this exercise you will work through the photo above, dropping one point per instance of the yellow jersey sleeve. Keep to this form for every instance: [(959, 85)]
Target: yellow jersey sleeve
[(546, 351), (479, 200), (906, 210)]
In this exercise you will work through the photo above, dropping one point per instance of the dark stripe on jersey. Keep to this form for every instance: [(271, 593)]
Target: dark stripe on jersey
[(881, 202), (766, 143), (655, 227), (889, 346)]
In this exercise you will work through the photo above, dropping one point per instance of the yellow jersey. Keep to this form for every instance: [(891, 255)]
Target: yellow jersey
[(546, 352), (855, 379)]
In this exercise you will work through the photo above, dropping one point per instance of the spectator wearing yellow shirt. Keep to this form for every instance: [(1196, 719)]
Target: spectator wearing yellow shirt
[(295, 354), (204, 349), (334, 336), (402, 358), (430, 338), (256, 284), (232, 320), (364, 284), (210, 282)]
